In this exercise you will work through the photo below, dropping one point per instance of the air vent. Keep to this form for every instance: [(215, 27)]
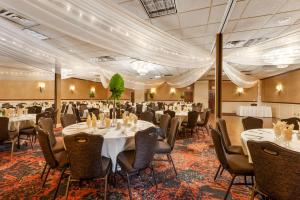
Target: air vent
[(16, 18), (102, 59), (158, 8), (234, 44), (168, 75), (254, 41)]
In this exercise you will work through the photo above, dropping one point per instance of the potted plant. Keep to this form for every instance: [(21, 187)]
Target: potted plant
[(92, 94), (151, 95), (182, 96), (116, 87)]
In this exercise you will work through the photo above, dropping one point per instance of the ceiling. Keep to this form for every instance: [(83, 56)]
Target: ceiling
[(196, 22)]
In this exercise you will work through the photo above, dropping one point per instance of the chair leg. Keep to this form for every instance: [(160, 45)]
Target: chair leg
[(105, 187), (207, 129), (115, 180), (57, 188), (228, 190), (170, 159), (245, 179), (12, 149), (128, 185), (46, 177), (45, 167), (68, 185), (253, 194), (221, 172), (18, 146), (153, 176), (217, 173)]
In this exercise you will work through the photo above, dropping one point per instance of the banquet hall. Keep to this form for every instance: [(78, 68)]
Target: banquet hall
[(150, 99)]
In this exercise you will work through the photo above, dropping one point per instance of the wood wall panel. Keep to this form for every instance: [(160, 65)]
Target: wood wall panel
[(291, 88), (229, 93), (163, 93)]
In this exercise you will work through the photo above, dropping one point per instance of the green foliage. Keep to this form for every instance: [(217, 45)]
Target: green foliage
[(151, 95), (92, 94), (182, 95), (116, 86)]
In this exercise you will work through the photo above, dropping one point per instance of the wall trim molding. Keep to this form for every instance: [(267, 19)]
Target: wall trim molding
[(293, 70), (281, 102)]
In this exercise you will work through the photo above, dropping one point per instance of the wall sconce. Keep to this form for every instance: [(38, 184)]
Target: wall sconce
[(240, 91), (72, 88), (172, 90), (93, 90), (41, 86), (279, 88), (152, 90)]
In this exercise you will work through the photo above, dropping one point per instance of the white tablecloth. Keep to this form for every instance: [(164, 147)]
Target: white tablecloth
[(267, 135), (22, 121), (254, 111), (115, 140)]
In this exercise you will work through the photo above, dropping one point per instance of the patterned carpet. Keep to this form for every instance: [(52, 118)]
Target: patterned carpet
[(194, 159)]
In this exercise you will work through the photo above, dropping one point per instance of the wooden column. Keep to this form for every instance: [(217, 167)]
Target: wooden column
[(218, 75), (57, 97)]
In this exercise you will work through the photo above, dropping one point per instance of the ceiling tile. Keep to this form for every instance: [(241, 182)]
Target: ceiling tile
[(292, 28), (238, 9), (200, 40), (136, 8), (290, 5), (218, 2), (259, 7), (188, 5), (212, 28), (251, 23), (194, 18), (193, 32), (275, 20), (167, 22), (217, 13), (230, 26), (47, 31), (176, 33), (245, 35)]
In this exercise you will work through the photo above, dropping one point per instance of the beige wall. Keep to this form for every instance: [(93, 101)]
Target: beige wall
[(201, 93), (229, 93), (139, 96), (163, 93), (28, 90), (291, 87)]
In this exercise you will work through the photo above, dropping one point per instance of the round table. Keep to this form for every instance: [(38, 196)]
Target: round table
[(268, 135), (22, 121), (115, 140)]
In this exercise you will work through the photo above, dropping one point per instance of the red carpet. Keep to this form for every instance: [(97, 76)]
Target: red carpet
[(194, 159)]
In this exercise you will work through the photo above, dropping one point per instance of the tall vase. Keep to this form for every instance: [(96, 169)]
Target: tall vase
[(114, 114)]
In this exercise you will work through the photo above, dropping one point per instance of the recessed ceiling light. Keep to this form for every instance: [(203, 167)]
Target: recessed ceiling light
[(282, 66), (158, 8), (284, 20), (157, 76)]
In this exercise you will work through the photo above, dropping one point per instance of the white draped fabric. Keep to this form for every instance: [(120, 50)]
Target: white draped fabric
[(239, 78)]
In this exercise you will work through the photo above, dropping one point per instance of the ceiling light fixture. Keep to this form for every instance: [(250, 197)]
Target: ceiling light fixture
[(157, 76), (142, 68), (158, 8)]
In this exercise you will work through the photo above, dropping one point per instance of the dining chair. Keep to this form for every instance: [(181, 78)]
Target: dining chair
[(56, 142), (147, 116), (54, 161), (163, 126), (7, 136), (85, 158), (31, 110), (94, 111), (166, 147), (30, 132), (191, 123), (132, 162), (139, 109), (276, 169), (203, 123), (252, 123), (235, 164), (170, 112), (293, 120), (67, 120)]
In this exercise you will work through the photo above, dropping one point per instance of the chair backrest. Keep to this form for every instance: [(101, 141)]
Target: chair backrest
[(95, 111), (205, 116), (45, 145), (164, 122), (77, 114), (221, 125), (219, 148), (67, 120), (147, 116), (63, 108), (139, 108), (276, 169), (144, 147), (41, 115), (38, 109), (84, 151), (171, 136), (4, 133), (192, 119), (292, 120), (47, 125), (252, 123), (170, 112), (31, 110)]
